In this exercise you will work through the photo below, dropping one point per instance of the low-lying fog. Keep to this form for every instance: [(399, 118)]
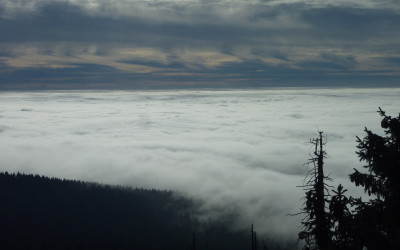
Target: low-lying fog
[(239, 151)]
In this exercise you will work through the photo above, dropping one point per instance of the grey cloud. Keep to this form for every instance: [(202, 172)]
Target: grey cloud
[(236, 75), (63, 21), (393, 60), (201, 38), (322, 65), (353, 23), (347, 61)]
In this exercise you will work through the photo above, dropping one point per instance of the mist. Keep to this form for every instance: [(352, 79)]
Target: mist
[(238, 151)]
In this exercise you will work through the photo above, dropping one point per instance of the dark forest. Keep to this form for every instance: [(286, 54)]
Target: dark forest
[(38, 212)]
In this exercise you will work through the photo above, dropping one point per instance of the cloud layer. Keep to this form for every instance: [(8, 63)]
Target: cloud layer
[(186, 43), (238, 151)]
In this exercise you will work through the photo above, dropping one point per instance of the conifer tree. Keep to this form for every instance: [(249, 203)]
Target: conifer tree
[(341, 220), (378, 220)]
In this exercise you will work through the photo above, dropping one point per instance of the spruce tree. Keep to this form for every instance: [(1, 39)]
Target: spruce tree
[(342, 229), (378, 220)]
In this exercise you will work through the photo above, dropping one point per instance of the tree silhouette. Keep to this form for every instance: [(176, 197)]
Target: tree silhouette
[(372, 224), (341, 221), (316, 224), (378, 220)]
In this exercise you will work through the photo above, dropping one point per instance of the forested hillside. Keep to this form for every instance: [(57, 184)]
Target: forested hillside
[(38, 212)]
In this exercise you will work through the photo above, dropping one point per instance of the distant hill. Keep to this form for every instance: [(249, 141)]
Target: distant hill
[(38, 212)]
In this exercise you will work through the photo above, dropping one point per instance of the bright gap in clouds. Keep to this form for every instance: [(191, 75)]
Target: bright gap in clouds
[(239, 151)]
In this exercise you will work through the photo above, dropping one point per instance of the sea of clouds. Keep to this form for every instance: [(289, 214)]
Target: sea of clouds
[(239, 151)]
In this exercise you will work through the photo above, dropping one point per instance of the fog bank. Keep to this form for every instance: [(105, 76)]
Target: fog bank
[(239, 151)]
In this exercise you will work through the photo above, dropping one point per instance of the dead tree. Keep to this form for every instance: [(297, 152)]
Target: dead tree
[(316, 224)]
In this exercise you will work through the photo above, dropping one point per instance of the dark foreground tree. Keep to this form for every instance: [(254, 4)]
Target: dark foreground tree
[(378, 220), (316, 224), (353, 223), (328, 221), (342, 228)]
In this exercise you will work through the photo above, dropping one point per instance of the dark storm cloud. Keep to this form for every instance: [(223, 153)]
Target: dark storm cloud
[(202, 38)]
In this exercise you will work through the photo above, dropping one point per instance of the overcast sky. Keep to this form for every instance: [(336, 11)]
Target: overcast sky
[(148, 44)]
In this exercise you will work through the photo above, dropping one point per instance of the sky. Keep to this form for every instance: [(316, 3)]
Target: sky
[(176, 44), (239, 151)]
